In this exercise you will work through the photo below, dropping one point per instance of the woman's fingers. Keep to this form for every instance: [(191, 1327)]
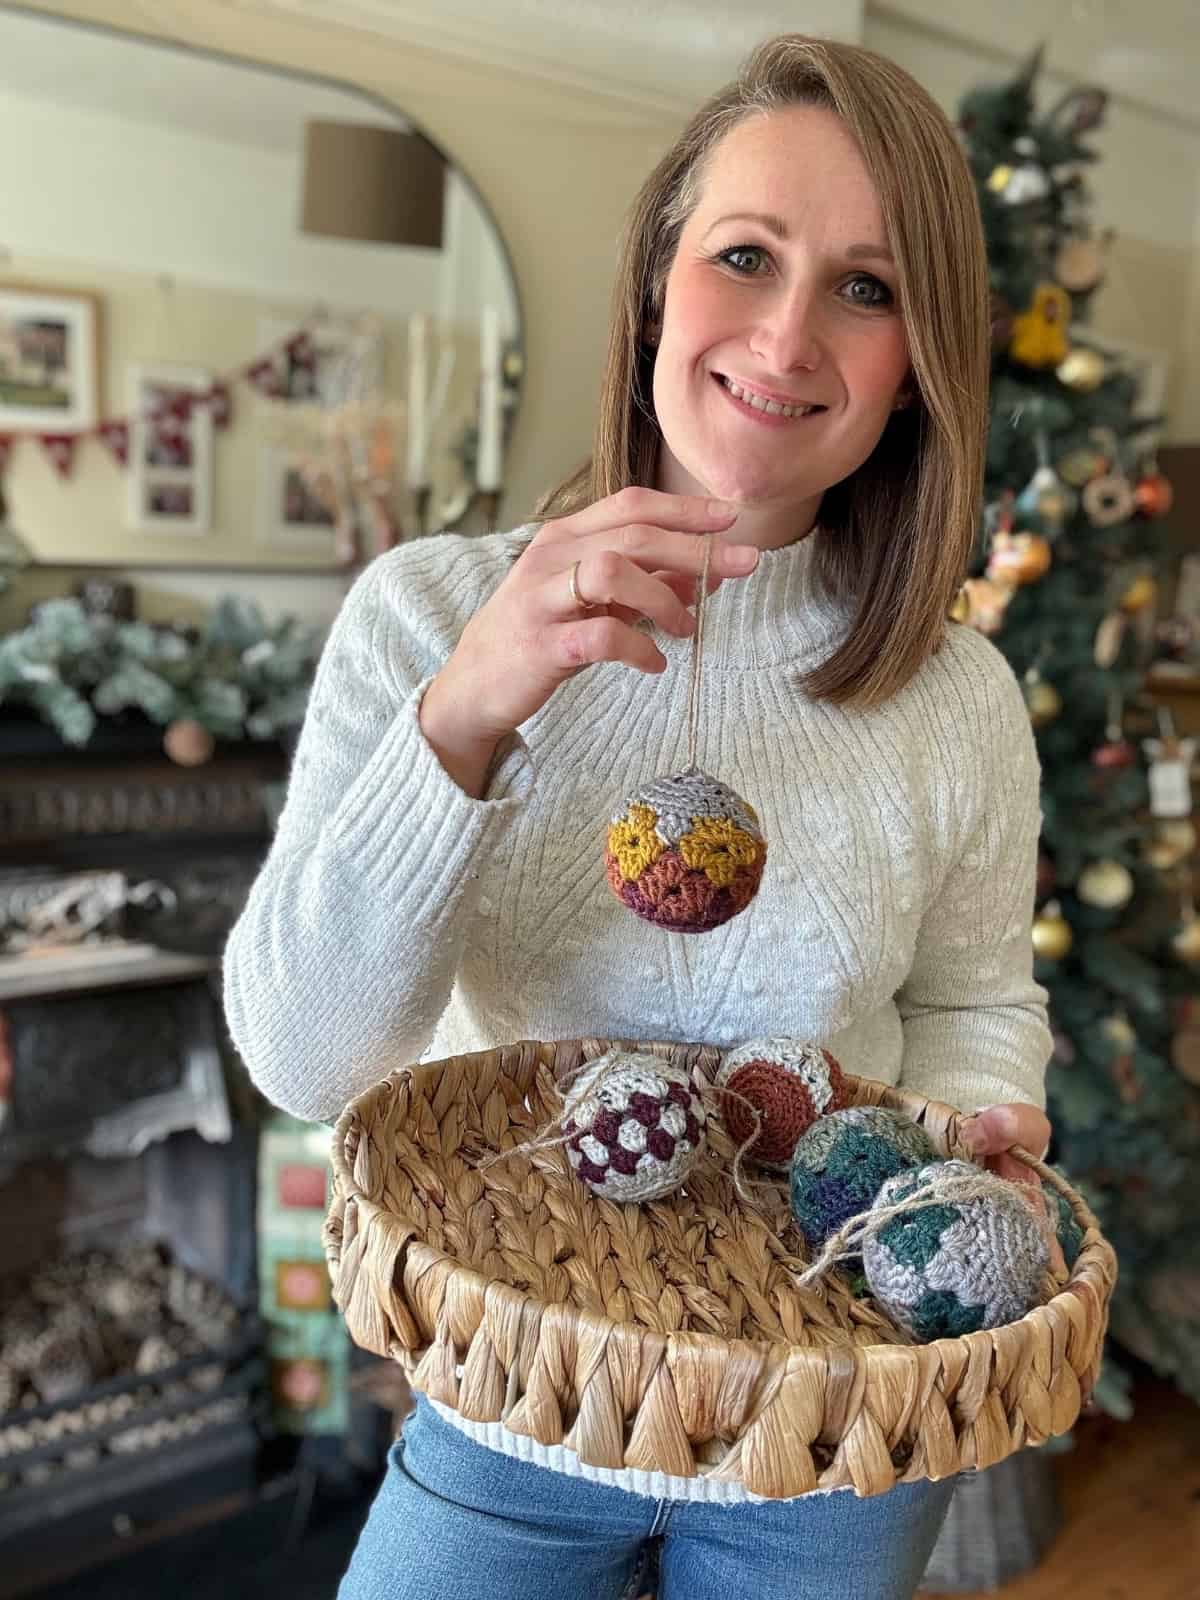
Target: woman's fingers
[(686, 513), (991, 1133), (607, 579), (575, 645)]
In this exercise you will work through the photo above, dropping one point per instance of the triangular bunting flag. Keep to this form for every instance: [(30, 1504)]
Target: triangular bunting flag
[(116, 437), (220, 404), (60, 447)]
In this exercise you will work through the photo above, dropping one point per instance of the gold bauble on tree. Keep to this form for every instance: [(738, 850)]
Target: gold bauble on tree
[(1042, 698), (1142, 592), (985, 602), (1040, 334), (1082, 370), (1052, 936), (1171, 843), (1186, 943), (1107, 885)]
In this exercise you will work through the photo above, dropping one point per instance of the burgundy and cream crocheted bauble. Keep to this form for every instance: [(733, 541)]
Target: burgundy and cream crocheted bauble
[(635, 1126), (685, 853), (789, 1082)]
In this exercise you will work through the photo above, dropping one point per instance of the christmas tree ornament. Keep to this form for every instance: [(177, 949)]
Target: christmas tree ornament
[(1170, 775), (634, 1126), (1153, 495), (188, 743), (1040, 334), (1118, 1032), (1082, 369), (1186, 941), (1117, 752), (1024, 185), (1042, 698), (960, 608), (1142, 592), (1109, 638), (1082, 464), (1108, 499), (970, 1253), (1170, 843), (1046, 503), (839, 1164), (1106, 885), (1018, 558), (777, 1088), (1052, 936), (985, 602), (1079, 265), (685, 852)]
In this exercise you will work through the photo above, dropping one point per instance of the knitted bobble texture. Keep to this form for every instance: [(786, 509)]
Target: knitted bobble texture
[(685, 853), (950, 1268), (789, 1083), (840, 1163), (634, 1126)]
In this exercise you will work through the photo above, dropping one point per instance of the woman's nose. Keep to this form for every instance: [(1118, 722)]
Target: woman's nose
[(787, 336)]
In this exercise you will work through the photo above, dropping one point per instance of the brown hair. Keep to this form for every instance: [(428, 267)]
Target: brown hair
[(896, 535)]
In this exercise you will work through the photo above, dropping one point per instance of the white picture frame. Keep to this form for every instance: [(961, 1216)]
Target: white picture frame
[(345, 362), (49, 359), (170, 462), (290, 515)]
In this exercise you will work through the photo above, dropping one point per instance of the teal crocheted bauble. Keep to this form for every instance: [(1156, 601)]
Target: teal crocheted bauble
[(839, 1164), (1070, 1234), (953, 1267)]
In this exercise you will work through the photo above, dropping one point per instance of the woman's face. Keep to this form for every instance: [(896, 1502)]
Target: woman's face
[(782, 290)]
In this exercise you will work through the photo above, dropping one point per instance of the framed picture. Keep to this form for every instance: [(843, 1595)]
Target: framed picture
[(290, 509), (49, 360), (170, 450)]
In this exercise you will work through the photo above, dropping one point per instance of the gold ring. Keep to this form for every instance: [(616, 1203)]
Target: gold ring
[(576, 597)]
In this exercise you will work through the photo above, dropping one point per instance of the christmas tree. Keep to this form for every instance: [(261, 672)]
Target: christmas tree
[(1064, 581)]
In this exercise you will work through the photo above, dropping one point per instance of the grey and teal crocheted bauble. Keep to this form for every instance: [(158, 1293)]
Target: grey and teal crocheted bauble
[(1070, 1234), (955, 1266), (685, 853), (635, 1126), (839, 1164)]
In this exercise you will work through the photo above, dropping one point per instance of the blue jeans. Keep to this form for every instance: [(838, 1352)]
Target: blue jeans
[(455, 1520)]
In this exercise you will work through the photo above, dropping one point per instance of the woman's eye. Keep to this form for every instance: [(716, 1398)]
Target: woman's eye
[(876, 293), (744, 258)]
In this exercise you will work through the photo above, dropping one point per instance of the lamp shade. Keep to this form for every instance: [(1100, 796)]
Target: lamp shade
[(382, 185)]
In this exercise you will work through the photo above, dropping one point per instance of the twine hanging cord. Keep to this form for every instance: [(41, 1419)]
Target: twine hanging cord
[(697, 647), (946, 1190)]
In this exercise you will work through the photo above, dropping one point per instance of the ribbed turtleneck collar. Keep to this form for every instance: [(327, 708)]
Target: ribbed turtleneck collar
[(779, 614)]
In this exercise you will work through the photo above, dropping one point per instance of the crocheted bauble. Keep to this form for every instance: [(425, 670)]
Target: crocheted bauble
[(840, 1163), (950, 1268), (685, 853), (1070, 1234), (789, 1083), (635, 1126)]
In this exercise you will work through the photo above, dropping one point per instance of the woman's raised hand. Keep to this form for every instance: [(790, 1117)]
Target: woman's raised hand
[(571, 599)]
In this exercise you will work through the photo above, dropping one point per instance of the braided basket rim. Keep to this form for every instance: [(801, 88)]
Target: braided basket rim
[(965, 1402)]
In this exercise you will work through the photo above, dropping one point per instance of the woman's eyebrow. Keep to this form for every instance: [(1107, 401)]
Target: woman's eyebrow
[(776, 225)]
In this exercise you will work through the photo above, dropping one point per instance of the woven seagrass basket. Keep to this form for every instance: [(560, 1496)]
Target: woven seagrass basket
[(669, 1336)]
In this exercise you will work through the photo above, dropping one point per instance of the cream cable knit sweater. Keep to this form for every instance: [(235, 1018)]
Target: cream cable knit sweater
[(396, 916)]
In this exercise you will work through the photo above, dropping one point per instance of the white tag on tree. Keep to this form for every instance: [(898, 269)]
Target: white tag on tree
[(1170, 776)]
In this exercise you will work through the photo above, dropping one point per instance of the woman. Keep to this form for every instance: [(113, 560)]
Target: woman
[(797, 369)]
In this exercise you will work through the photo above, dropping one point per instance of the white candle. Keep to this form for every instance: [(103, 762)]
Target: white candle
[(488, 466), (418, 418)]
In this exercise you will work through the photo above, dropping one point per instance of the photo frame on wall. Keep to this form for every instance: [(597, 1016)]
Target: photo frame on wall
[(49, 359), (291, 513), (170, 450), (327, 362)]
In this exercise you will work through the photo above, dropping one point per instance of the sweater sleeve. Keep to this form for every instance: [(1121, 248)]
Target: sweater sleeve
[(344, 956), (974, 1019)]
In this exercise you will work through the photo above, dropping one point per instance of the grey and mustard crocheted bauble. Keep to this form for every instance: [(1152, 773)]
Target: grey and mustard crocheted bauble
[(789, 1083), (839, 1164), (635, 1126), (956, 1266), (685, 853)]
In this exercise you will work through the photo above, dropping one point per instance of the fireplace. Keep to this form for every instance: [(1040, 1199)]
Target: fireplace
[(134, 1396)]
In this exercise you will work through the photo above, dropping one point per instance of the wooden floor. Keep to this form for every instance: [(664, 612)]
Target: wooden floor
[(1131, 1509)]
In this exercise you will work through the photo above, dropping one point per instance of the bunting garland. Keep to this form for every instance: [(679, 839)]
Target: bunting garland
[(170, 417)]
